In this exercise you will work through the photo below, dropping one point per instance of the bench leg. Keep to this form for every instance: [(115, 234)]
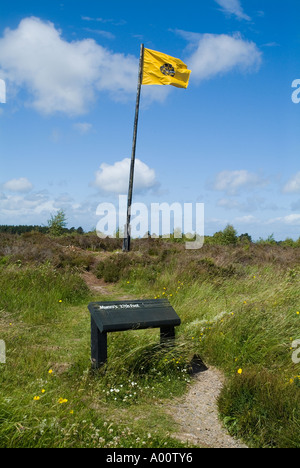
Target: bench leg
[(98, 346), (167, 334)]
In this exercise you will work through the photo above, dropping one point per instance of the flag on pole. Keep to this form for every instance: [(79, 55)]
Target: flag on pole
[(162, 69), (2, 92), (155, 68)]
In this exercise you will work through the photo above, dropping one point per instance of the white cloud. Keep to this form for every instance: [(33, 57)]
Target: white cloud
[(36, 208), (247, 219), (83, 127), (220, 53), (291, 220), (104, 20), (20, 206), (248, 205), (63, 76), (101, 32), (232, 182), (115, 178), (21, 185), (228, 204), (233, 7), (293, 185)]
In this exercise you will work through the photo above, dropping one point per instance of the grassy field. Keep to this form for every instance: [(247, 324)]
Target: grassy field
[(239, 306)]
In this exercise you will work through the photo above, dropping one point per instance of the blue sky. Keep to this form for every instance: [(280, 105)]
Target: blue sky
[(230, 140)]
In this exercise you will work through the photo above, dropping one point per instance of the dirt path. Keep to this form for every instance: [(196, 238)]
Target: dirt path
[(94, 284), (197, 413), (99, 287)]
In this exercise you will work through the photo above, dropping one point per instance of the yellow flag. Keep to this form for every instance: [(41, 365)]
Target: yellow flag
[(161, 69)]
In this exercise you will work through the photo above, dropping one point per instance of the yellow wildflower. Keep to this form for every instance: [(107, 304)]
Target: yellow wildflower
[(61, 401)]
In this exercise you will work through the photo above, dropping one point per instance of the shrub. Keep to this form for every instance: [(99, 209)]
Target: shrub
[(113, 268)]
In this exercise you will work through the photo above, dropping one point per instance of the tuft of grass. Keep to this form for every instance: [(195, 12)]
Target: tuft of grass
[(262, 409), (38, 294)]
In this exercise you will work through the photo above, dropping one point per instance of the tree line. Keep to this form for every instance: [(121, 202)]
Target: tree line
[(8, 229)]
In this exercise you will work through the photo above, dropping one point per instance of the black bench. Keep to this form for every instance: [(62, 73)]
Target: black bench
[(129, 315)]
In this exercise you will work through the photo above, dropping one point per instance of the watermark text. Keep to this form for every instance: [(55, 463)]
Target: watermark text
[(2, 352), (296, 93), (2, 92), (296, 353), (161, 219)]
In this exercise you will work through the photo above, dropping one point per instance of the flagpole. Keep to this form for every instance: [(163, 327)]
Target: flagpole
[(126, 244)]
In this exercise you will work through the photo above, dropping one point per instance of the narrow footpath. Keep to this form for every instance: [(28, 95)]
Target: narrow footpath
[(197, 413)]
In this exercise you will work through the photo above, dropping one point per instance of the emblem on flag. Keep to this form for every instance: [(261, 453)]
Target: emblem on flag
[(167, 69)]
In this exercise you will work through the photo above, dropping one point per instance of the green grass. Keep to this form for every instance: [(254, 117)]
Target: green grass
[(239, 312), (111, 408), (37, 294), (245, 322)]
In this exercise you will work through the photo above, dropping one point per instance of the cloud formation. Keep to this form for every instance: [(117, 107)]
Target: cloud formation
[(293, 185), (63, 76), (115, 178), (231, 182), (216, 54), (290, 220), (21, 185), (233, 7), (83, 127)]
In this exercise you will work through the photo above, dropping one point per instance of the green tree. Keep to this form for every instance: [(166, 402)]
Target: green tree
[(229, 235), (245, 238), (226, 237), (57, 223)]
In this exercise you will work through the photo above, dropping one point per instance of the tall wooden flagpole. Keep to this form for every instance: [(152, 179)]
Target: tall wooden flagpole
[(126, 244)]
